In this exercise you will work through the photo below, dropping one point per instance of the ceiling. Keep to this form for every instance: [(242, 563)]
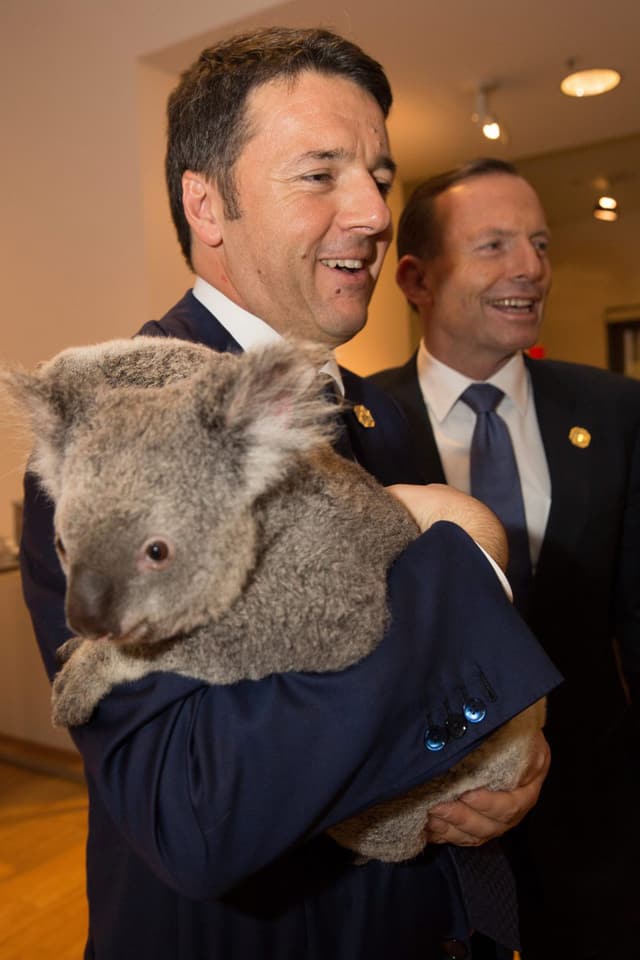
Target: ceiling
[(437, 53)]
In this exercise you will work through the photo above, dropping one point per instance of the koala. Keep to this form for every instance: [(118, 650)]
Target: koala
[(206, 527)]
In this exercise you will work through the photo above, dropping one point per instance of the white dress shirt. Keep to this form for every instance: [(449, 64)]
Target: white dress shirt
[(453, 423)]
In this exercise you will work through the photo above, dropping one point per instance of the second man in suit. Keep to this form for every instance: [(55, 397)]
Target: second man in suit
[(473, 262)]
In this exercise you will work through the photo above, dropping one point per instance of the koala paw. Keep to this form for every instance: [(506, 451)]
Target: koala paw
[(82, 681)]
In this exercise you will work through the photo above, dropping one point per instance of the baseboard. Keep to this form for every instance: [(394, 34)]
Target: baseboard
[(41, 759)]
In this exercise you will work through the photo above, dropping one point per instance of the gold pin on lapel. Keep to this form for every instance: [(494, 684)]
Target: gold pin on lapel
[(364, 416), (580, 437)]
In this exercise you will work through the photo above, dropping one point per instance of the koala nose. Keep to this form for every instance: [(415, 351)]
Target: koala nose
[(89, 602)]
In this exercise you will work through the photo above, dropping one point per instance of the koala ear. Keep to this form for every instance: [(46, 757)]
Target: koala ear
[(53, 400), (273, 399)]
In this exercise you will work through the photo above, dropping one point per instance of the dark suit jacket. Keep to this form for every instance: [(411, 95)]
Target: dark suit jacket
[(208, 804), (583, 838)]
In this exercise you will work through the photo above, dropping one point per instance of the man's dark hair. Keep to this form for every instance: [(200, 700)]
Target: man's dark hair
[(419, 232), (207, 118)]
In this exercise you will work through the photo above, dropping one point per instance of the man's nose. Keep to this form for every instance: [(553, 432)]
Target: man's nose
[(363, 208), (528, 262)]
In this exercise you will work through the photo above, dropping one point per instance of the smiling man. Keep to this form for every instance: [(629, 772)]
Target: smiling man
[(210, 804), (554, 448)]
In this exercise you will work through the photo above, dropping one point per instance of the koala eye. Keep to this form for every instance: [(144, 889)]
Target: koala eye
[(60, 547), (156, 554), (157, 551)]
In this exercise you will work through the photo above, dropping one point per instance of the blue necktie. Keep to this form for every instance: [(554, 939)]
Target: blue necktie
[(495, 480)]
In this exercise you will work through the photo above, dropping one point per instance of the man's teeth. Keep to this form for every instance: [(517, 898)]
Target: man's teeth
[(517, 302), (345, 264)]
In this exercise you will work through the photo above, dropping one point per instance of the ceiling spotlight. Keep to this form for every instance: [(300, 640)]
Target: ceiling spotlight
[(606, 208), (589, 83), (491, 128)]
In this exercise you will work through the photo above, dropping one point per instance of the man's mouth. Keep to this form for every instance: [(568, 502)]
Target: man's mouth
[(348, 265)]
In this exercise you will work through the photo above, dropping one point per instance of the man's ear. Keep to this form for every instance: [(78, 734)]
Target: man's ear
[(202, 207), (412, 276)]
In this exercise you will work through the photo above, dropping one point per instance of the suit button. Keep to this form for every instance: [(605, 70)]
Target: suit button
[(455, 949), (435, 738), (456, 725), (475, 710)]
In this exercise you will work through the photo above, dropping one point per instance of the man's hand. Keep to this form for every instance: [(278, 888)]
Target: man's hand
[(437, 501), (481, 815)]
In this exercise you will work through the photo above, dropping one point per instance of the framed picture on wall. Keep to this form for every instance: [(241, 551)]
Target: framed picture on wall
[(623, 340)]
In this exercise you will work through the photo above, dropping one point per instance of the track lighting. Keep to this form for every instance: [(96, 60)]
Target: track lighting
[(491, 128), (606, 208)]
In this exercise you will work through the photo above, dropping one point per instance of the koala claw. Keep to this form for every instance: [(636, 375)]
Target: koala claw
[(68, 708), (64, 652)]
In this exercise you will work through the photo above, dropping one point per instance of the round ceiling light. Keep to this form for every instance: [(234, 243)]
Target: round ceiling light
[(590, 83)]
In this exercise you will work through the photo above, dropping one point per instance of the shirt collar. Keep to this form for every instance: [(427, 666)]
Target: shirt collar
[(245, 328), (442, 386)]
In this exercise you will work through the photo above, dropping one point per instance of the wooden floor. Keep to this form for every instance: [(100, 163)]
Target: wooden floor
[(43, 822)]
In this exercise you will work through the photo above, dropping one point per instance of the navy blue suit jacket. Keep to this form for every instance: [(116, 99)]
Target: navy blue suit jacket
[(208, 804), (579, 849)]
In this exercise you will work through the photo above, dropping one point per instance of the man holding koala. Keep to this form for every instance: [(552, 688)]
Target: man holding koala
[(210, 803)]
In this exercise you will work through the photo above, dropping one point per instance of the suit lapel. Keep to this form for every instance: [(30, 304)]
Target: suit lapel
[(404, 387), (558, 411), (383, 444)]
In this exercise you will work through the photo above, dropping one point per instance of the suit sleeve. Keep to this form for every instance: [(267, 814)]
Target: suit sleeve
[(211, 783), (628, 605)]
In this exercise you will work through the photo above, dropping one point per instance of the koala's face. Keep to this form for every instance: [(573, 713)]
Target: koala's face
[(152, 527)]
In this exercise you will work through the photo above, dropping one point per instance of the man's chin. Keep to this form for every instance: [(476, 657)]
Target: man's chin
[(343, 328)]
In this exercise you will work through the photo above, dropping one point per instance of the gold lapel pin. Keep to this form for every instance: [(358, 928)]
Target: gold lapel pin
[(580, 437), (364, 416)]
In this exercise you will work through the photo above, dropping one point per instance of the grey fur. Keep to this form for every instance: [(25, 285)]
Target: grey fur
[(227, 459)]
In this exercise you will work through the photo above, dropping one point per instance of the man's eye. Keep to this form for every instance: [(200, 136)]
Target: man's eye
[(317, 177), (384, 187)]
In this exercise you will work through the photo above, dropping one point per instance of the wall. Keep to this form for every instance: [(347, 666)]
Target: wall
[(596, 266), (25, 695)]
